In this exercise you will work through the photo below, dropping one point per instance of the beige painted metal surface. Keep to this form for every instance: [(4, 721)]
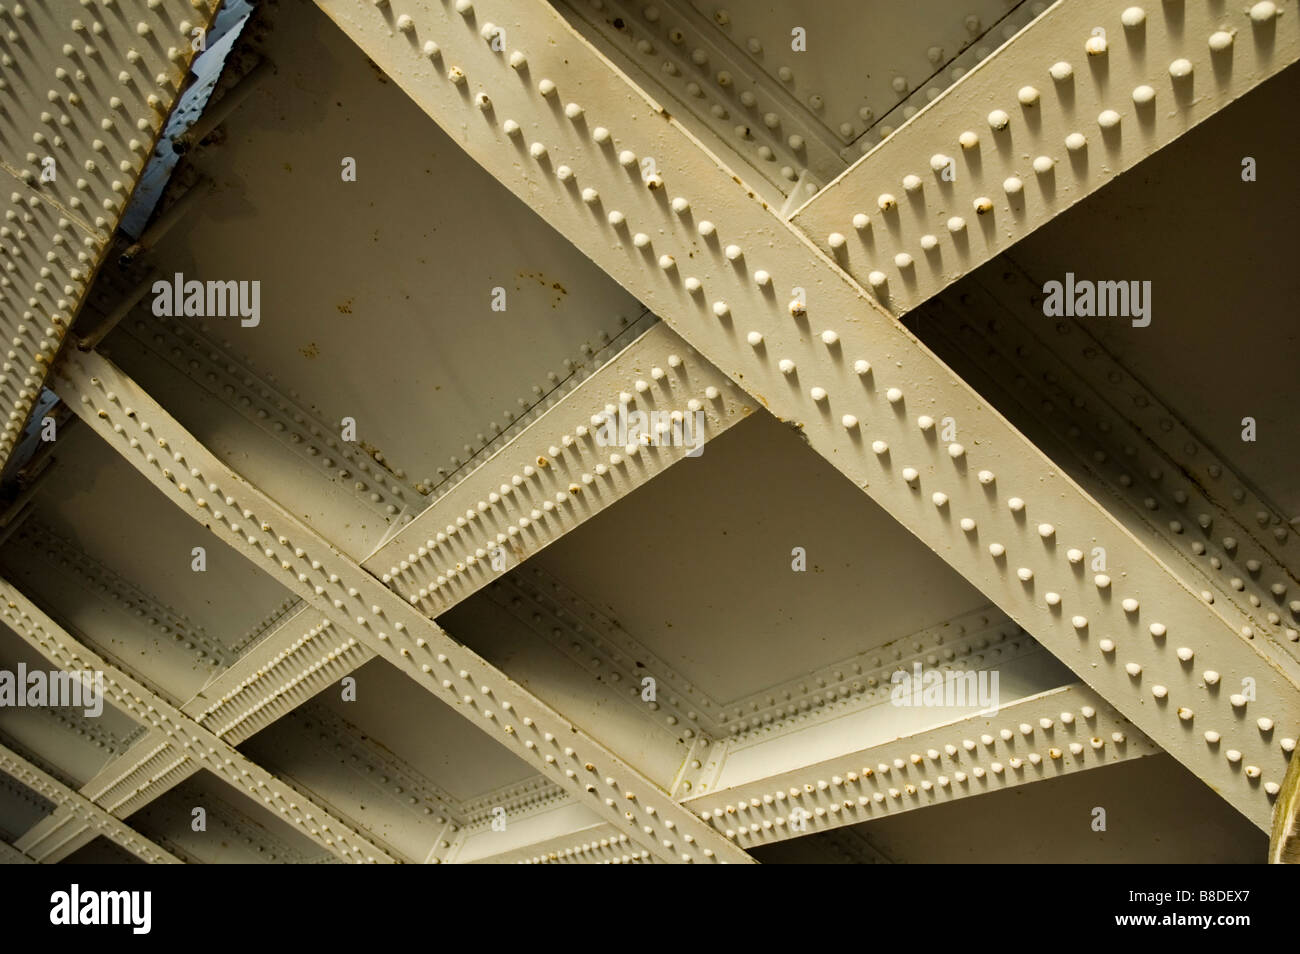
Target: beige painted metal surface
[(86, 92), (477, 631), (854, 381)]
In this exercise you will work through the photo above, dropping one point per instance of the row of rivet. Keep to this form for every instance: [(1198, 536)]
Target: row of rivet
[(41, 540), (1100, 372), (464, 545), (540, 400), (360, 615), (720, 309), (234, 379), (711, 91), (591, 641), (185, 734), (89, 814), (107, 143), (1150, 493), (951, 642), (966, 766), (915, 99), (1030, 100)]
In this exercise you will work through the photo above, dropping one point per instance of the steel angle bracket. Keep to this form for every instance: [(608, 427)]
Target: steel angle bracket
[(555, 123), (195, 480)]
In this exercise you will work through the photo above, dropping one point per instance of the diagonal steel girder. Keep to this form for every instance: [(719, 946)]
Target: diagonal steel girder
[(186, 736), (444, 551), (87, 811), (304, 652), (92, 88), (189, 475), (1081, 95), (555, 123)]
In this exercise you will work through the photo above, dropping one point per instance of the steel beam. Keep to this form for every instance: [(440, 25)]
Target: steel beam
[(9, 855), (77, 129), (1084, 93), (1217, 554), (554, 123), (555, 474), (197, 743), (86, 811), (144, 772), (189, 475), (305, 652), (1284, 840), (1054, 733)]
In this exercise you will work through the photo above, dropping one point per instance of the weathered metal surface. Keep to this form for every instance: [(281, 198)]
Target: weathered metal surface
[(1131, 543), (558, 127), (86, 91), (357, 602), (1085, 93), (86, 811), (198, 744)]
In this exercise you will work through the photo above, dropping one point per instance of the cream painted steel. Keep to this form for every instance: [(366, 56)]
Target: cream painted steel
[(197, 743), (86, 89), (87, 811), (357, 603), (1051, 734), (1083, 94), (556, 125)]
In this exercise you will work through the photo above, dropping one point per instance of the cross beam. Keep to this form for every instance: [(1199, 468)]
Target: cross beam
[(751, 292), (1083, 94), (83, 808), (1048, 735), (260, 529), (197, 743)]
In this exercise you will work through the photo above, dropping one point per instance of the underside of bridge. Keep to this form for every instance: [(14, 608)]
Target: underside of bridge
[(610, 431)]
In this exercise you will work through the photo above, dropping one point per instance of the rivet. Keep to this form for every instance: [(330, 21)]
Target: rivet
[(1220, 41), (1263, 11)]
